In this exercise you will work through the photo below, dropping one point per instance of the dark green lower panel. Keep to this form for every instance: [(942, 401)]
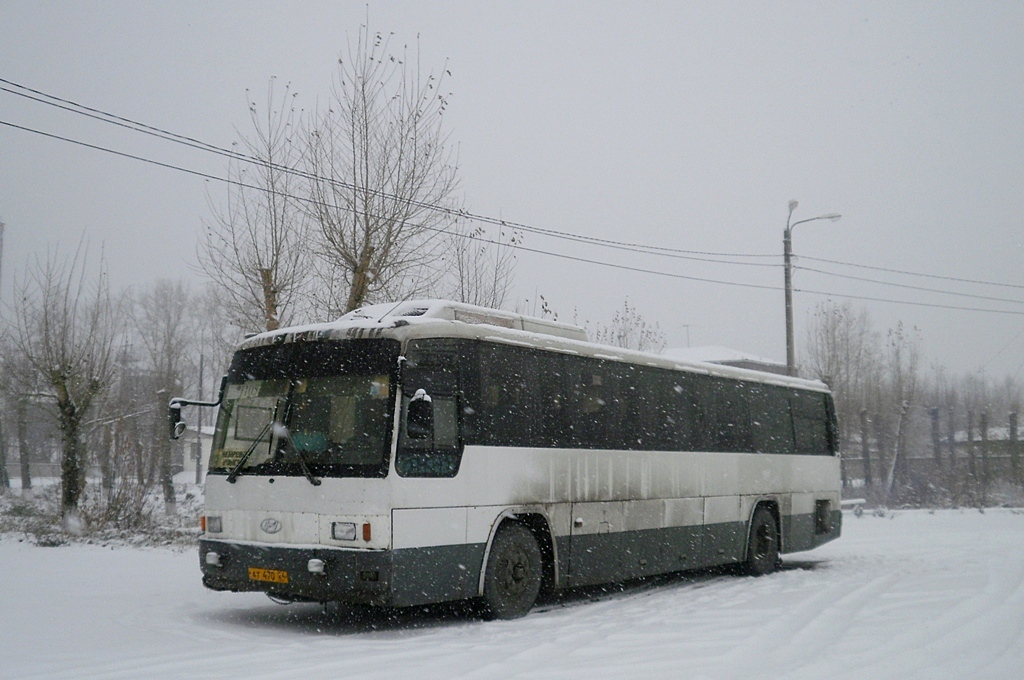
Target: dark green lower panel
[(436, 574), (603, 558), (724, 543), (443, 573), (801, 532)]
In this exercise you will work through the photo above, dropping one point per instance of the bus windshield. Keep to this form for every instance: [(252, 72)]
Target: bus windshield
[(327, 405)]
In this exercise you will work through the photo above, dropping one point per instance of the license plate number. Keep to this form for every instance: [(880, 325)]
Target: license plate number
[(271, 575)]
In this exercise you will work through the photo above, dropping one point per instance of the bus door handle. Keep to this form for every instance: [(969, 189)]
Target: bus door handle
[(578, 522)]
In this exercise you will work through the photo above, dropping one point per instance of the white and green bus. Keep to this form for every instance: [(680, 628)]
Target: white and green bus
[(430, 451)]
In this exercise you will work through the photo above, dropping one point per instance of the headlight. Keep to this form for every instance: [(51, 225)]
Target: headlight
[(343, 531)]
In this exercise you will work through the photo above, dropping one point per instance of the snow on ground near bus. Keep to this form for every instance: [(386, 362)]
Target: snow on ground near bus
[(915, 595)]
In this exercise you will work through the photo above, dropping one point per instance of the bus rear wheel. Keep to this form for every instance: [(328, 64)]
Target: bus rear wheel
[(513, 575), (763, 547)]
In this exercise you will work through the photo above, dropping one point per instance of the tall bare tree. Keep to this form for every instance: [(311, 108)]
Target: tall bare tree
[(479, 267), (255, 250), (5, 389), (5, 482), (164, 326), (380, 166), (843, 351), (631, 330), (903, 358), (65, 326)]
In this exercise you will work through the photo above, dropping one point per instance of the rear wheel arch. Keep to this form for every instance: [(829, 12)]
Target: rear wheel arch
[(513, 572), (539, 525)]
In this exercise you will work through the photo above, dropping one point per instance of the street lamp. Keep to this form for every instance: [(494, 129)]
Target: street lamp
[(787, 250)]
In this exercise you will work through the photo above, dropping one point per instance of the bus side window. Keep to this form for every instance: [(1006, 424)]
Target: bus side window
[(551, 424), (594, 414), (672, 414), (429, 442), (770, 419), (811, 423), (507, 388), (726, 416), (429, 446)]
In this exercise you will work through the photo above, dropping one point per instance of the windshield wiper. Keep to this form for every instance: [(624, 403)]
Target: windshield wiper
[(315, 481), (248, 452), (303, 463)]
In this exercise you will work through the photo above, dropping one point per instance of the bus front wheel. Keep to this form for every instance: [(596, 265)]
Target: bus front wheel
[(763, 548), (513, 576)]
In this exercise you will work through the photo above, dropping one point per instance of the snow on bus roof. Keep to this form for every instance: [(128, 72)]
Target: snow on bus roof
[(715, 354), (424, 318)]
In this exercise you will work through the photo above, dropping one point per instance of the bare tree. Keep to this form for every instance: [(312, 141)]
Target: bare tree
[(5, 481), (255, 250), (65, 327), (215, 339), (5, 389), (903, 356), (164, 326), (842, 350), (19, 386), (380, 169), (631, 330), (479, 268)]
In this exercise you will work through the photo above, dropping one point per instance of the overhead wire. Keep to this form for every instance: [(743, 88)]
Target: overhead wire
[(209, 176), (103, 116), (910, 273), (908, 286)]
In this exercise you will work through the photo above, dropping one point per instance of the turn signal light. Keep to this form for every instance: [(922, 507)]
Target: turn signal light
[(366, 532)]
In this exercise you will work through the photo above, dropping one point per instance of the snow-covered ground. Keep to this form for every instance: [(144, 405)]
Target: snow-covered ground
[(915, 595)]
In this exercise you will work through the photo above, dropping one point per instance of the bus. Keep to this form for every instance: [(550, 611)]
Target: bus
[(431, 451)]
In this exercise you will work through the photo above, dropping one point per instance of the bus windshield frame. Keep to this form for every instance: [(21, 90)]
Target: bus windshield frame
[(325, 407)]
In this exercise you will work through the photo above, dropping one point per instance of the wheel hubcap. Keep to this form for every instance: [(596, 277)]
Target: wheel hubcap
[(515, 572)]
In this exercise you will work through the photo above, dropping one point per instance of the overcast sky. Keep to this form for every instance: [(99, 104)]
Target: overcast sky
[(677, 124)]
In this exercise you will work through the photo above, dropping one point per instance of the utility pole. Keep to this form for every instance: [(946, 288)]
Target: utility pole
[(787, 256)]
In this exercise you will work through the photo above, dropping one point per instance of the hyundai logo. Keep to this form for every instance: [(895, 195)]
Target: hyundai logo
[(270, 525)]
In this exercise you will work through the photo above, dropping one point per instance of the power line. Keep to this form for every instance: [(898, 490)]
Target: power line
[(933, 305), (909, 287), (690, 255), (909, 273), (103, 116), (208, 176)]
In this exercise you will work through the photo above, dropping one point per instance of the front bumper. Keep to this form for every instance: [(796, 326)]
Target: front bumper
[(351, 576)]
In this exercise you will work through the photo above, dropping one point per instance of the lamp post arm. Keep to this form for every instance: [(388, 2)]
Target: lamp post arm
[(787, 252)]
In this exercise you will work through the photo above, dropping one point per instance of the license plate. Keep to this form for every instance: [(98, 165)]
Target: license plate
[(271, 575)]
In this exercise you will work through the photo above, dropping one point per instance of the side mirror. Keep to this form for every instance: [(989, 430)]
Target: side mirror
[(420, 416), (174, 416)]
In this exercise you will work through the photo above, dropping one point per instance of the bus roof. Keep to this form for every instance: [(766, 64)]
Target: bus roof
[(441, 318)]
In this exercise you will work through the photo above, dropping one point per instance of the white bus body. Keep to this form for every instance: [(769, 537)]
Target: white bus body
[(591, 463)]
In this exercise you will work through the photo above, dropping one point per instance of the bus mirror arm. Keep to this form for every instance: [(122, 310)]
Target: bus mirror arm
[(177, 425)]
